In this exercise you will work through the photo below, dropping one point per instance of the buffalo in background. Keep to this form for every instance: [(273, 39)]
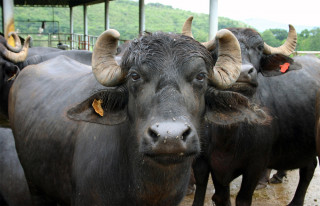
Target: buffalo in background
[(12, 175), (11, 65), (317, 125), (286, 142), (14, 59), (8, 69), (14, 189)]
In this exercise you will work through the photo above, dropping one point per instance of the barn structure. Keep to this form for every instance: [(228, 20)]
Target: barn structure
[(8, 16)]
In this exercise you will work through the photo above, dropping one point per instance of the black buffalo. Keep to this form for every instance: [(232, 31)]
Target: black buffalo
[(8, 69), (9, 162), (11, 65), (41, 51), (14, 59), (286, 142), (318, 125), (123, 135), (14, 189)]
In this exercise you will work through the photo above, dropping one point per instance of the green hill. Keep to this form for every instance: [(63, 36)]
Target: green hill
[(124, 16)]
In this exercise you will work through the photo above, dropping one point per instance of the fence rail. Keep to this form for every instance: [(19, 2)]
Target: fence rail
[(296, 53), (62, 40), (82, 42)]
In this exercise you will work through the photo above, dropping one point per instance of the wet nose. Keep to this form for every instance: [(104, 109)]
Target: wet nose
[(167, 131), (248, 73), (170, 137)]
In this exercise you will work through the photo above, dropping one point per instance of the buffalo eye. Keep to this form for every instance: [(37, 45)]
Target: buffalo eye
[(135, 76), (260, 47), (201, 77)]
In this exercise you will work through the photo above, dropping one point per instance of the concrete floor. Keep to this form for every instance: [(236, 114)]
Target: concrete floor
[(272, 195)]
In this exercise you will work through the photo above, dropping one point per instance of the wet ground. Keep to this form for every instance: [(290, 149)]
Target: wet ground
[(273, 194)]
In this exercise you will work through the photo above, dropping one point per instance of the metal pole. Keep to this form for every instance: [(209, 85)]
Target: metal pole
[(141, 17), (85, 21), (71, 28), (53, 19), (8, 20), (2, 13), (106, 14), (213, 18)]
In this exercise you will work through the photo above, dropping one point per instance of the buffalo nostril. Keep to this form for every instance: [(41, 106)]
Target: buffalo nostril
[(250, 71), (154, 135), (186, 134)]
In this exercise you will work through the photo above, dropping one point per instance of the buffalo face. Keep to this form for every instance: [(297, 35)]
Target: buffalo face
[(166, 82), (158, 90), (251, 45), (258, 57)]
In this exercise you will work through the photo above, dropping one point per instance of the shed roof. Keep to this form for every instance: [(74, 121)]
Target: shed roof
[(57, 3)]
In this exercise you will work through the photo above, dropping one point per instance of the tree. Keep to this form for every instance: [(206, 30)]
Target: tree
[(270, 38), (280, 34), (310, 40)]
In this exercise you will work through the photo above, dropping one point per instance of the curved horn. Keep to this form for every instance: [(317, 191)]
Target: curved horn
[(227, 68), (16, 57), (17, 47), (210, 45), (287, 48), (186, 29), (104, 66)]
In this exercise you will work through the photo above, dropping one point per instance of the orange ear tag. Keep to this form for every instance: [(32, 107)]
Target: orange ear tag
[(97, 107), (284, 67)]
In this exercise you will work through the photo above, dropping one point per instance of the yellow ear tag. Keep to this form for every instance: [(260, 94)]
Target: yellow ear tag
[(97, 107), (12, 78)]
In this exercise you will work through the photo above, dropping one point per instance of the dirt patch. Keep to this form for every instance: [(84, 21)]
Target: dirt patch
[(273, 194)]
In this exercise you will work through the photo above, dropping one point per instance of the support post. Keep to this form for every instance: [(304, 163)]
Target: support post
[(2, 19), (106, 14), (213, 18), (71, 28), (7, 19), (85, 22), (141, 17)]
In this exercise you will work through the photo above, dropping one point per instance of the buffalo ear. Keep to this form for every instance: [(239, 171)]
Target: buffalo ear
[(270, 65), (11, 71), (229, 108), (113, 108)]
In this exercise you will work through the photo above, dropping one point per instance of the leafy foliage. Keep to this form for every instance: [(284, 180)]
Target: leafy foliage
[(309, 40), (124, 17), (270, 38)]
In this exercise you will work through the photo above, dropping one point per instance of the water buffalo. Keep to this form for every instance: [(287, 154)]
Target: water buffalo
[(123, 135), (285, 143), (14, 189), (10, 65), (18, 58), (8, 69), (318, 125), (42, 51), (9, 163)]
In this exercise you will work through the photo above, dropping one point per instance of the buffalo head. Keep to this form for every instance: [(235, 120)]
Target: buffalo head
[(257, 56), (161, 89)]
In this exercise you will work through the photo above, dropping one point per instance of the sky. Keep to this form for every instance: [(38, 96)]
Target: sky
[(295, 12)]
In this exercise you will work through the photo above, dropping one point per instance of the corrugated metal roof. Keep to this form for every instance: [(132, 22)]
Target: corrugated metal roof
[(63, 3)]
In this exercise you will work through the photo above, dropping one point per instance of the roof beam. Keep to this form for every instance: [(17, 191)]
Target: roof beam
[(64, 3)]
